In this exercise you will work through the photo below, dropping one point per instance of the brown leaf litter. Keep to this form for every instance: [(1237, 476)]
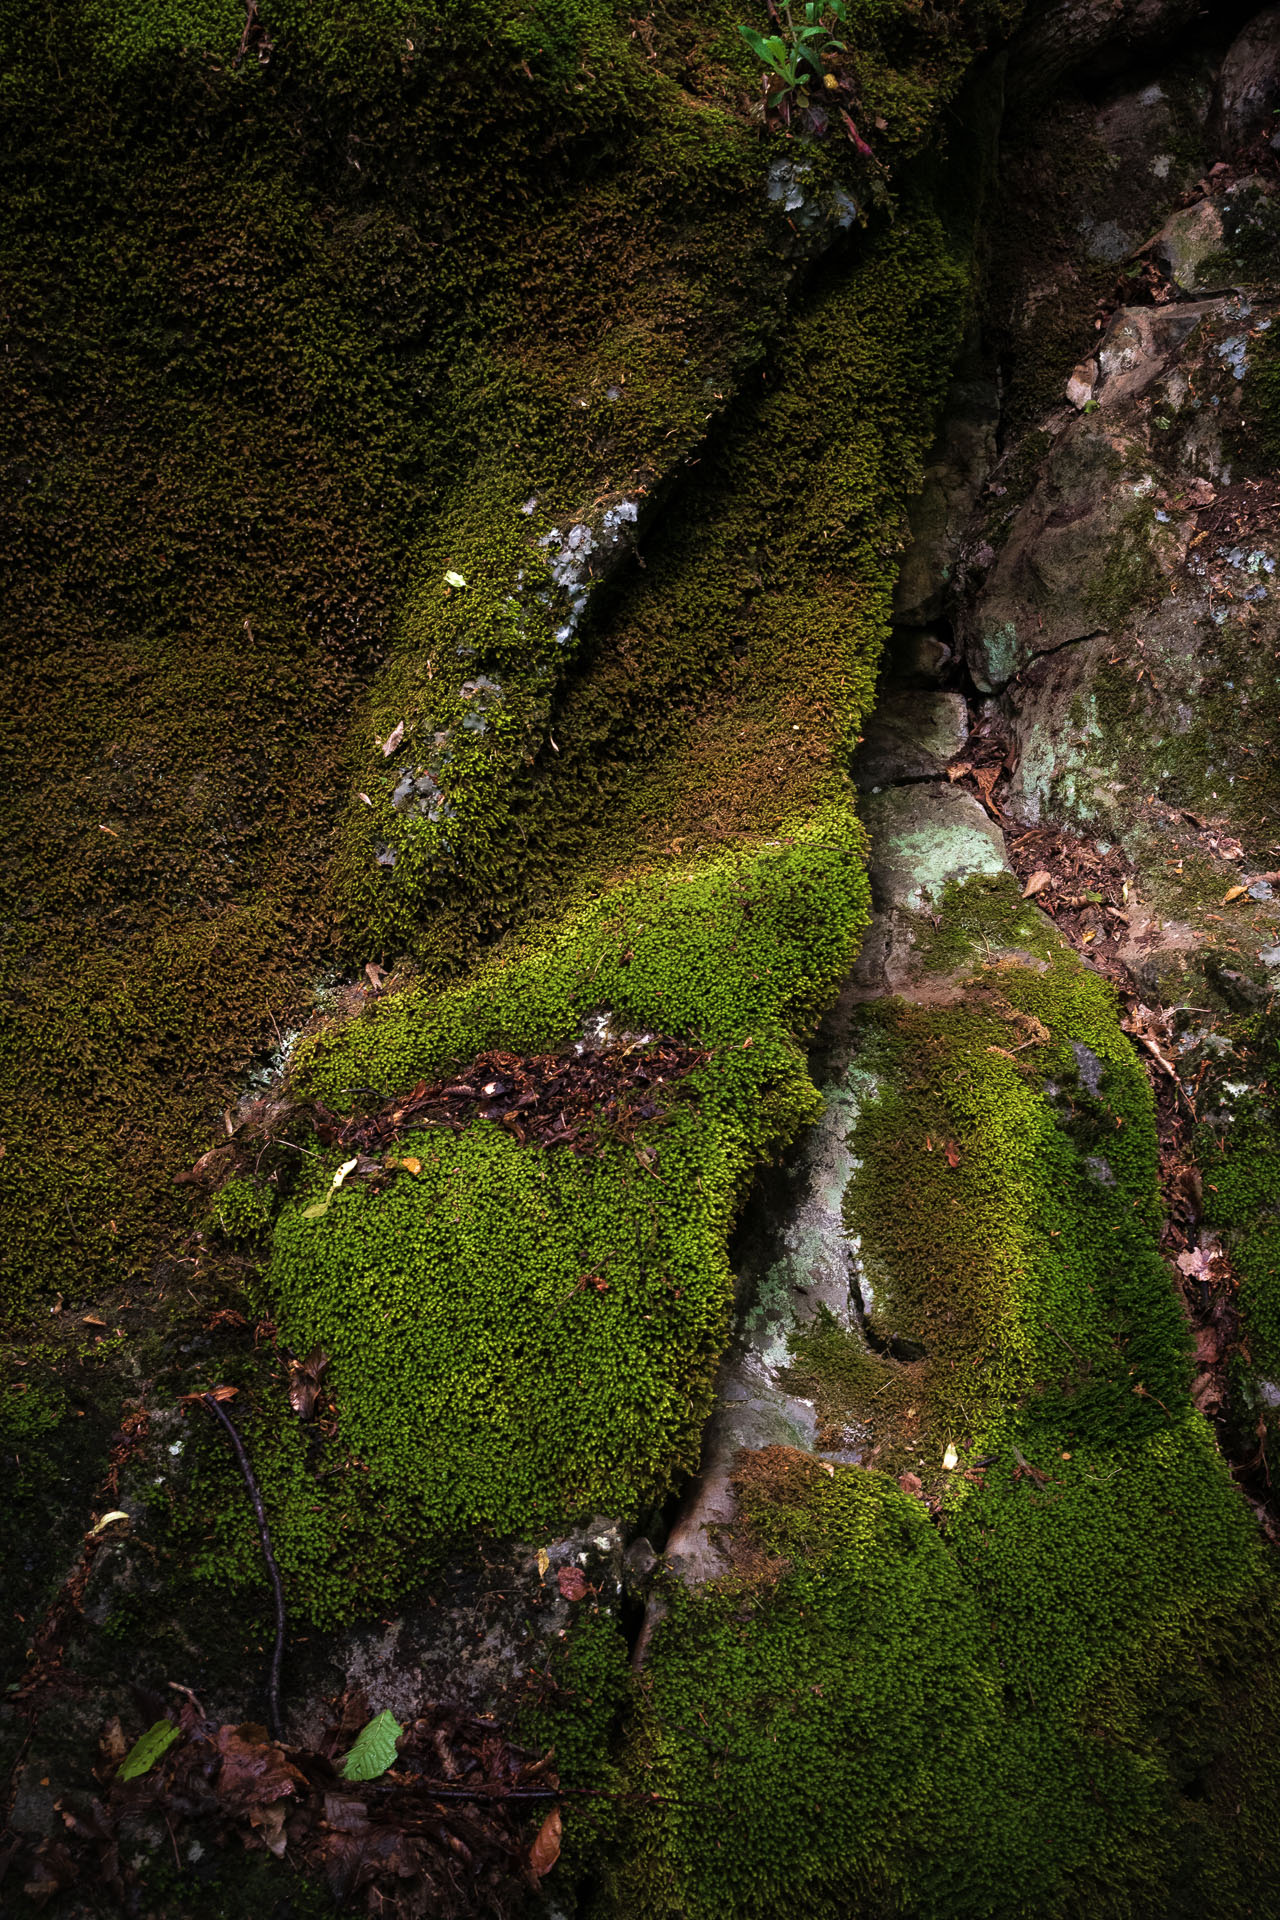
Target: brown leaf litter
[(462, 1824), (578, 1099)]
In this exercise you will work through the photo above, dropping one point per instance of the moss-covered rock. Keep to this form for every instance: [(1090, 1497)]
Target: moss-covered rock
[(1021, 1680)]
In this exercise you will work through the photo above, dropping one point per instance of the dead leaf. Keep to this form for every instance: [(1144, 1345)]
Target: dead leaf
[(544, 1561), (376, 974), (1037, 884), (951, 1459), (393, 739), (117, 1513), (911, 1483), (268, 1823), (1234, 893), (304, 1382), (545, 1850), (572, 1582), (92, 1320), (952, 1152), (254, 1771), (1195, 1263)]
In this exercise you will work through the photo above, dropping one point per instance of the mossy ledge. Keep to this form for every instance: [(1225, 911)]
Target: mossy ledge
[(1044, 1682)]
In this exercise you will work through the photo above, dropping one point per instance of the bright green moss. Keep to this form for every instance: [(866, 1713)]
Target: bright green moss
[(1049, 1702), (477, 1383), (1030, 1261), (979, 915), (242, 1210)]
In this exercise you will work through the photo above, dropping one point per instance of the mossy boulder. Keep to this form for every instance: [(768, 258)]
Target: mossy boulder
[(1020, 1677)]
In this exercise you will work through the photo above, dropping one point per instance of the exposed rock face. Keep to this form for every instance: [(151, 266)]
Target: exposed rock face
[(1249, 82)]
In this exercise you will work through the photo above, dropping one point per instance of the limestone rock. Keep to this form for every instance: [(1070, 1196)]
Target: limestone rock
[(910, 736), (1249, 84), (961, 460), (922, 837)]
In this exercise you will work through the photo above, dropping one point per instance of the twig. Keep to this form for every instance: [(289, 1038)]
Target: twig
[(277, 1653), (495, 1797)]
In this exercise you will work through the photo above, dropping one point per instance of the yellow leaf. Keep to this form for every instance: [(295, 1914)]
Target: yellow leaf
[(544, 1561), (950, 1459), (106, 1520), (410, 1164), (1234, 893)]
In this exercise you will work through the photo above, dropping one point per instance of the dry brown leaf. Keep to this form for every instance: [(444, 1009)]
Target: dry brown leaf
[(545, 1850), (572, 1582), (393, 739), (1234, 893), (1037, 884)]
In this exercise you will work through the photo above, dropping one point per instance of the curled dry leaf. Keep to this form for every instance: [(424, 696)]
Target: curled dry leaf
[(117, 1513), (1037, 884), (545, 1850), (393, 739), (1234, 893), (912, 1483), (304, 1382), (951, 1459), (572, 1582)]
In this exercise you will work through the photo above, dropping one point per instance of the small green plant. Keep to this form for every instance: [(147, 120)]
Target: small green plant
[(794, 54)]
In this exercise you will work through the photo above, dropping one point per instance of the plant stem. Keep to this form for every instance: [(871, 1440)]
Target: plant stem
[(274, 1716)]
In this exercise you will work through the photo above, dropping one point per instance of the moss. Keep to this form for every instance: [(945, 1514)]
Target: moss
[(1130, 575), (576, 1704), (242, 1211), (1240, 1166), (975, 917), (1060, 1695), (477, 1383), (744, 629), (262, 400), (1261, 405)]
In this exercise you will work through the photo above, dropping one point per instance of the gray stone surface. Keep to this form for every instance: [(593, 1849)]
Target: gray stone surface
[(1249, 83), (910, 736), (924, 836)]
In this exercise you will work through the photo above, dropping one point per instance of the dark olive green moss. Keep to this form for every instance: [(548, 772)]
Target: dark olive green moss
[(1060, 1698), (1240, 1168), (756, 619), (1261, 404), (287, 338)]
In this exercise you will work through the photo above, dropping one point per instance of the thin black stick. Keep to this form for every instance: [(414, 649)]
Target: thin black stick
[(490, 1798), (274, 1715)]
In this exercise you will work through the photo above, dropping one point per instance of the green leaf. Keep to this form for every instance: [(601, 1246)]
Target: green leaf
[(319, 1210), (144, 1753), (374, 1750)]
